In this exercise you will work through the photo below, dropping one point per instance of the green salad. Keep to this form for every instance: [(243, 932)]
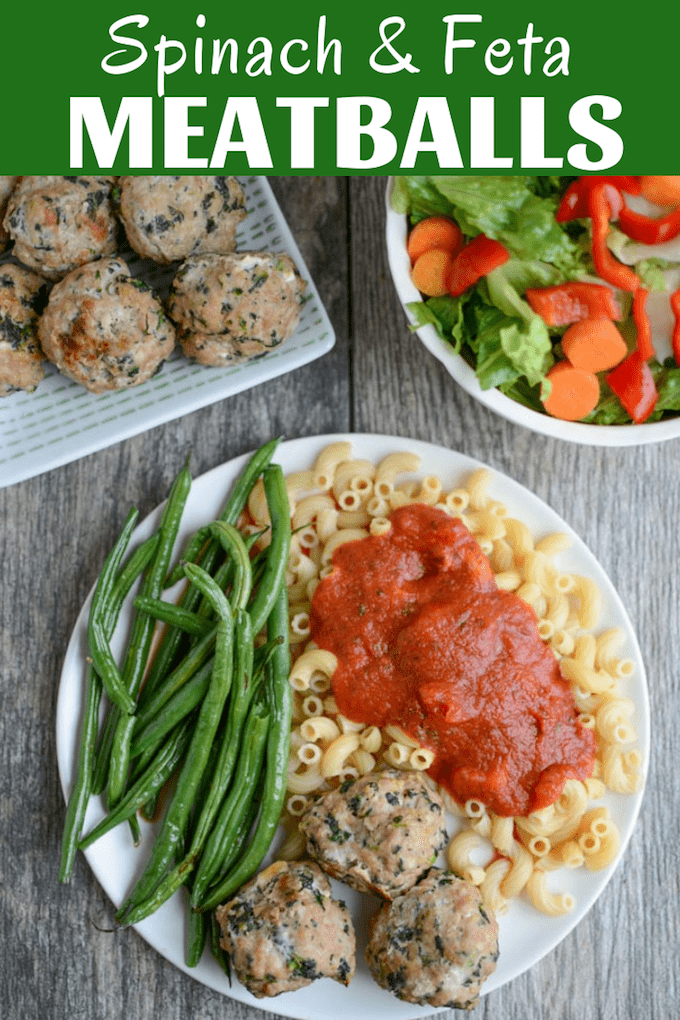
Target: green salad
[(491, 325)]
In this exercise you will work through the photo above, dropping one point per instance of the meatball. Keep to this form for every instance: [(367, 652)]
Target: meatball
[(436, 944), (169, 218), (284, 930), (104, 329), (6, 188), (230, 308), (22, 295), (59, 223), (379, 833)]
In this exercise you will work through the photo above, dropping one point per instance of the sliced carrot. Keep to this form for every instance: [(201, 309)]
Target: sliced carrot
[(594, 345), (436, 232), (662, 190), (573, 392), (431, 272)]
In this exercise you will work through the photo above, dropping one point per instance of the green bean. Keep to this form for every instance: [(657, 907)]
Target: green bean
[(80, 794), (136, 563), (242, 832), (191, 554), (235, 807), (230, 512), (149, 810), (197, 924), (219, 954), (187, 668), (263, 653), (98, 639), (169, 650), (197, 932), (184, 701), (278, 744), (223, 576), (82, 787), (245, 781), (129, 572), (177, 813), (252, 471), (245, 686), (135, 830), (175, 615), (142, 632), (273, 578), (233, 544), (239, 495), (155, 777), (242, 687)]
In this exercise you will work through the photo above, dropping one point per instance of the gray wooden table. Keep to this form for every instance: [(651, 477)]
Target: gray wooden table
[(59, 961)]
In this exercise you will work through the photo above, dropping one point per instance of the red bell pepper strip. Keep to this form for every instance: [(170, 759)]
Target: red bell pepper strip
[(631, 185), (644, 333), (574, 204), (648, 230), (606, 266), (572, 302), (633, 383), (675, 305), (479, 257)]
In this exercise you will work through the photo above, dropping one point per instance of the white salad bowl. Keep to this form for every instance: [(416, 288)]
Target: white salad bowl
[(456, 366)]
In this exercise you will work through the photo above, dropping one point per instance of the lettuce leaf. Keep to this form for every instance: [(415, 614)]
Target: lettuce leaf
[(512, 210), (534, 233), (667, 379), (610, 411), (651, 272), (487, 324), (484, 205), (445, 314), (525, 340), (495, 322), (418, 198)]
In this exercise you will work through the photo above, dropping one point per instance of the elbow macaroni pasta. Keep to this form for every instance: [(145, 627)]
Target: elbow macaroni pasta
[(344, 499)]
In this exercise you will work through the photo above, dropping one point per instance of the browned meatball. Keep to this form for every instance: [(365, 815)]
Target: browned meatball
[(59, 223), (230, 308), (22, 295), (436, 944), (379, 833), (284, 930), (104, 329), (169, 218), (6, 188)]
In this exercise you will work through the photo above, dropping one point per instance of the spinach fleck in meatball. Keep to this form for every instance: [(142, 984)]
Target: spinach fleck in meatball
[(104, 329), (380, 833), (284, 930), (59, 223), (6, 188), (169, 218), (436, 944), (22, 297), (231, 308)]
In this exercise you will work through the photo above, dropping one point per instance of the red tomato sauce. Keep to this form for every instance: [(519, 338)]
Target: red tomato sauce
[(427, 641)]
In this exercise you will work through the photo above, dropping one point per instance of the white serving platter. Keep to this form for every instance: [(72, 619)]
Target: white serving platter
[(61, 421)]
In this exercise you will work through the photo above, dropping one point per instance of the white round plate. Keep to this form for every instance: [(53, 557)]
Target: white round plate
[(456, 366), (525, 934)]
